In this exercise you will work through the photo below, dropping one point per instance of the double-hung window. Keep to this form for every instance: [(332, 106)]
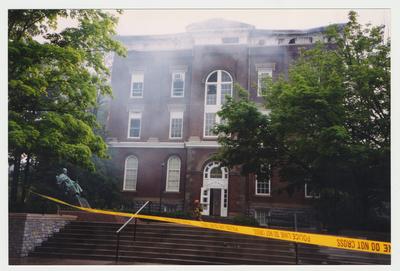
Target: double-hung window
[(134, 125), (130, 176), (262, 216), (263, 184), (176, 125), (137, 85), (178, 84), (173, 174), (263, 74)]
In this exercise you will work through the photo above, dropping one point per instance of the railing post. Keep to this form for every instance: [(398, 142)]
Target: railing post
[(296, 248), (117, 249), (134, 230)]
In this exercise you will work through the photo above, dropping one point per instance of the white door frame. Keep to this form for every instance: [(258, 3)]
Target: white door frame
[(210, 182)]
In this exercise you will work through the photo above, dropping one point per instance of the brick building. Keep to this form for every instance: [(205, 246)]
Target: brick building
[(166, 95)]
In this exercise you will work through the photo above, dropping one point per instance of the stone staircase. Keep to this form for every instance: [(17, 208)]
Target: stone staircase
[(164, 243)]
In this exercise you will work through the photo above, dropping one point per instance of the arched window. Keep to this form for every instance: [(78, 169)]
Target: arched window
[(130, 176), (218, 87), (173, 174)]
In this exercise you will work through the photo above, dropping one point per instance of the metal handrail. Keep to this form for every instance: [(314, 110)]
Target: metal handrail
[(123, 226)]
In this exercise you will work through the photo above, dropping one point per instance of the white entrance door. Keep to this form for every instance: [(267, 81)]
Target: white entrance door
[(214, 193)]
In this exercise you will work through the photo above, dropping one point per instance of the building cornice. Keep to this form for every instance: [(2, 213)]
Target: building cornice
[(165, 145)]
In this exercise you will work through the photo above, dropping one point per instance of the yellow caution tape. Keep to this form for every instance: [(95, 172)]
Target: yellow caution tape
[(292, 236)]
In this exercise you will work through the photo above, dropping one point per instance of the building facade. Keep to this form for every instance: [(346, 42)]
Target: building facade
[(167, 92)]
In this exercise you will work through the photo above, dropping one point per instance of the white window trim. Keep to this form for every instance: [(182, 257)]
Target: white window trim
[(172, 84), (214, 108), (136, 97), (167, 189), (312, 195), (259, 81), (175, 115), (125, 170), (263, 194), (131, 114), (210, 166)]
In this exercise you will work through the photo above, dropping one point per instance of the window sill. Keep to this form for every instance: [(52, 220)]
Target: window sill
[(262, 195)]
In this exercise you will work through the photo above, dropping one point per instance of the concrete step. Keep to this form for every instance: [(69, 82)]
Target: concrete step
[(174, 243), (166, 243), (157, 248), (171, 255), (134, 259), (175, 233), (182, 239)]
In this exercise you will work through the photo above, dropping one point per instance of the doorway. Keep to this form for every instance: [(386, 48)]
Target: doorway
[(214, 192), (215, 202)]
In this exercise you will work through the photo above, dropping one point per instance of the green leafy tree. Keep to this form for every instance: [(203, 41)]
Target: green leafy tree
[(246, 136), (53, 86), (329, 125)]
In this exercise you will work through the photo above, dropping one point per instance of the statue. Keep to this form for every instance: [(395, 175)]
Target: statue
[(71, 188)]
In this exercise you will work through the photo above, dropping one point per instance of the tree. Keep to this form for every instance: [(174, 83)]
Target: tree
[(329, 124), (245, 136), (53, 85)]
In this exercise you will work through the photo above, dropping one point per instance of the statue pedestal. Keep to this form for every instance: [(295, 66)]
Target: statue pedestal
[(83, 202)]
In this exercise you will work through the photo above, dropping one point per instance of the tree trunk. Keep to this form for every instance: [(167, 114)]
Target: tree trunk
[(14, 182), (25, 184)]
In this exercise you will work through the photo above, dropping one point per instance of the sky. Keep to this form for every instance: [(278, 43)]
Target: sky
[(168, 21)]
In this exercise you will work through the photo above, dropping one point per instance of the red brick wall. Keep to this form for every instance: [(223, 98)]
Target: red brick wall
[(149, 171), (239, 61)]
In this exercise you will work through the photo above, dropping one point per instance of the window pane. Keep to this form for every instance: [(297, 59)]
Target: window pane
[(226, 77), (210, 123), (176, 128), (226, 90), (178, 82), (131, 167), (135, 128), (213, 77), (137, 84), (262, 75), (262, 216), (177, 90), (212, 94), (216, 173), (263, 186), (132, 163), (173, 178), (137, 89)]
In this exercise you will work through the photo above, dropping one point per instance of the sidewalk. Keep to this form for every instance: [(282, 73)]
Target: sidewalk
[(53, 261)]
